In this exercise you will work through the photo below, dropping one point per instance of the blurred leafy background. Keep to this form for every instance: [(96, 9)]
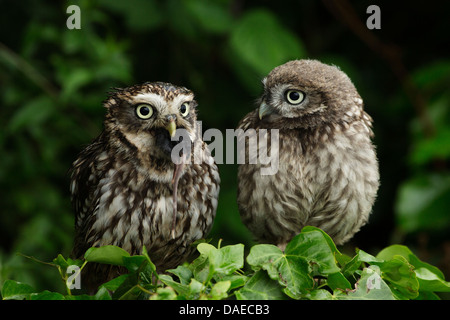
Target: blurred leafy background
[(53, 80)]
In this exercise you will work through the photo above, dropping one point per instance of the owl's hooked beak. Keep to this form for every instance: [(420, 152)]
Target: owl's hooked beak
[(264, 110), (171, 127)]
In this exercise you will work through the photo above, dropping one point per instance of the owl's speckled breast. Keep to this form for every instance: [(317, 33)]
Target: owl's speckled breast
[(331, 186), (134, 211)]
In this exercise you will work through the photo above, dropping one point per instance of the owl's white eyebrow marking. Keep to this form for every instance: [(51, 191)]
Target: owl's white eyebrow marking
[(162, 104), (178, 100), (154, 99)]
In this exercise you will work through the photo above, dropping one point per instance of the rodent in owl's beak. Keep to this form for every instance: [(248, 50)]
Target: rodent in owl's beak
[(171, 127), (264, 110)]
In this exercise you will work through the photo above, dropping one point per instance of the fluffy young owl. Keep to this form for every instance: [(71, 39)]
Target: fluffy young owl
[(124, 184), (328, 171)]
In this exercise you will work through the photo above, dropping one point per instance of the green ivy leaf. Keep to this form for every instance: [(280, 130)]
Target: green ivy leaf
[(149, 261), (319, 294), (263, 256), (397, 271), (261, 287), (429, 277), (166, 293), (291, 270), (401, 277), (200, 266), (430, 281), (338, 281), (14, 290), (236, 280), (228, 259), (115, 283), (106, 254), (351, 266), (47, 295), (215, 262), (134, 263), (369, 287), (314, 247), (129, 289), (405, 252), (61, 262), (183, 273), (182, 289), (195, 289), (219, 290)]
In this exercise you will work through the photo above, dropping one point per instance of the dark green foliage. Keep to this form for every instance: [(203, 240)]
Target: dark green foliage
[(310, 268)]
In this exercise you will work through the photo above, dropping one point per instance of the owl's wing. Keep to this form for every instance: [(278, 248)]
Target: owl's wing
[(249, 121), (85, 175)]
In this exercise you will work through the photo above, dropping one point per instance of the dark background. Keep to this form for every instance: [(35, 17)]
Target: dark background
[(53, 80)]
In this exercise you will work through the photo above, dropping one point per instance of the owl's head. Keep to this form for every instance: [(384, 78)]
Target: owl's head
[(307, 93), (145, 117)]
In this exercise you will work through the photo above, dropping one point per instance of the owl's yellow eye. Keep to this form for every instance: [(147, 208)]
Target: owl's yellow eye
[(144, 111), (184, 109), (294, 96)]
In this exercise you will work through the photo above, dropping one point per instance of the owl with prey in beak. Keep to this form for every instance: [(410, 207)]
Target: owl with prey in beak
[(127, 191)]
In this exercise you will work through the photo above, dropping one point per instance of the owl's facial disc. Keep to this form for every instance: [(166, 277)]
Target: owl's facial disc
[(282, 100)]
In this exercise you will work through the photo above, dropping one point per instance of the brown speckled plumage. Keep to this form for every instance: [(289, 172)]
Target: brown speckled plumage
[(122, 183), (328, 171)]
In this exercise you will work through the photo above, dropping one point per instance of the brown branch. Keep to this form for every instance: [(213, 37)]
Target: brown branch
[(391, 53)]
